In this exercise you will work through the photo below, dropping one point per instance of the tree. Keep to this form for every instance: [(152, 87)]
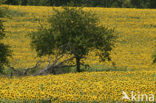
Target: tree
[(75, 32), (2, 9), (153, 3), (94, 3), (2, 1), (154, 57), (4, 49)]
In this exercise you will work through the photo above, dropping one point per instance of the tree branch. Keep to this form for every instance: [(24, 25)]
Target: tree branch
[(54, 65), (37, 64), (20, 73)]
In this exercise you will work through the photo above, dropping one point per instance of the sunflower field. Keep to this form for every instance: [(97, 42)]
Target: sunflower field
[(132, 55)]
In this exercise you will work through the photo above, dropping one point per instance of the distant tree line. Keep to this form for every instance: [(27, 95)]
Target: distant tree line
[(88, 3)]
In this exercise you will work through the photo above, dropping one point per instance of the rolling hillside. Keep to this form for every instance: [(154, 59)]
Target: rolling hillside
[(132, 55), (135, 28)]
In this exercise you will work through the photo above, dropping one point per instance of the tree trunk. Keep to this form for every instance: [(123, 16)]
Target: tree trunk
[(53, 71), (78, 64)]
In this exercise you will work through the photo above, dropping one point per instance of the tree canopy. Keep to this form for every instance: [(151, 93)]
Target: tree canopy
[(4, 49), (93, 3), (75, 32)]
